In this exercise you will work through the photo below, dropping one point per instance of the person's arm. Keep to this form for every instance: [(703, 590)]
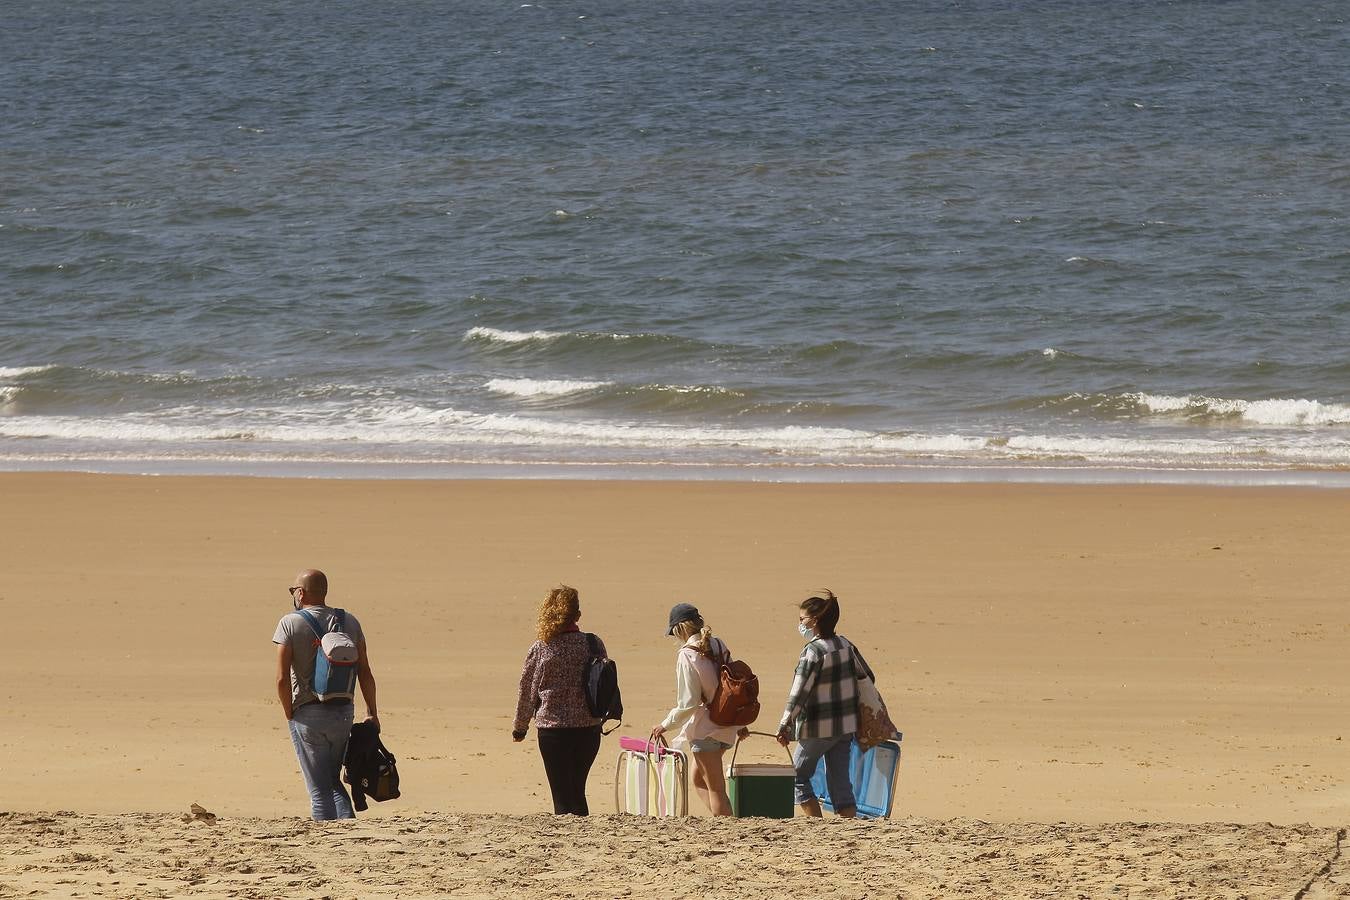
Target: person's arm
[(688, 695), (366, 678), (802, 684), (527, 700), (284, 678)]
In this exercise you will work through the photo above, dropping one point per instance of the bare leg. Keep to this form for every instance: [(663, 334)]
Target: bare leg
[(701, 782), (708, 770), (811, 808), (848, 812)]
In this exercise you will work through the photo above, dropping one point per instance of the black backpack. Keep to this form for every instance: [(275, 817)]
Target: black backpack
[(600, 681)]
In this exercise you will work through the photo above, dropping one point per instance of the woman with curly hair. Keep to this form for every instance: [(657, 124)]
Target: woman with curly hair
[(551, 693)]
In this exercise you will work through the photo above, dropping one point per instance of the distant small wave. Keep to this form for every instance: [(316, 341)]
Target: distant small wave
[(529, 387), (584, 348), (501, 336), (1052, 354), (1094, 262)]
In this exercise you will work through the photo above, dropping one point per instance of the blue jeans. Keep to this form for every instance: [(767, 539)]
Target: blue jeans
[(838, 778), (320, 732)]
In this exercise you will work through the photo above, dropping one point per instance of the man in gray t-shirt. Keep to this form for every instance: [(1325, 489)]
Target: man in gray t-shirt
[(319, 730)]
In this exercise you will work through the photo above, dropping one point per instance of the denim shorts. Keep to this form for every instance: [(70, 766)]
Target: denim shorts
[(708, 745)]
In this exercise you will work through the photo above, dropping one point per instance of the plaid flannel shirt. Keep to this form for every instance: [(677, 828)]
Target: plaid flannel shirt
[(823, 701)]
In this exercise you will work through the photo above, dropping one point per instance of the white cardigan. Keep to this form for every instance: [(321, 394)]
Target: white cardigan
[(695, 683)]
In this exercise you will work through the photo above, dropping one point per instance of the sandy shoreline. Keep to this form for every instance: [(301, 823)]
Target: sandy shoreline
[(1054, 653)]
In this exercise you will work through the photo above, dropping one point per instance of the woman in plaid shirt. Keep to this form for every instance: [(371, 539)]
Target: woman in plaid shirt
[(822, 707)]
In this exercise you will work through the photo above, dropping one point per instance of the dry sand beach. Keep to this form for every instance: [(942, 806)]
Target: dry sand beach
[(1055, 654), (539, 856)]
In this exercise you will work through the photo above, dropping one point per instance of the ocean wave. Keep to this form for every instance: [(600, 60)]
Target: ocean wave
[(437, 432), (414, 424), (697, 401), (529, 387), (503, 336), (1194, 409), (682, 399), (126, 429), (500, 336), (1095, 262), (21, 371), (643, 345), (1287, 411)]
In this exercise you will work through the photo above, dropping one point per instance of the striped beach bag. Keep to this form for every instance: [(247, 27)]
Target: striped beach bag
[(651, 779)]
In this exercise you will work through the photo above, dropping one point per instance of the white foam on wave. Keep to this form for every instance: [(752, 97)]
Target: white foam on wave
[(132, 429), (372, 431), (529, 387), (20, 371), (1160, 403), (1050, 353), (1287, 412), (1296, 412), (7, 394), (411, 424), (502, 336), (418, 423)]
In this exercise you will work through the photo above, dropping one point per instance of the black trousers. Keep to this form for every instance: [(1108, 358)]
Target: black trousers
[(568, 754)]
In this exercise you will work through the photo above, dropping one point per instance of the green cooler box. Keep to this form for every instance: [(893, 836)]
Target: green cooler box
[(760, 789)]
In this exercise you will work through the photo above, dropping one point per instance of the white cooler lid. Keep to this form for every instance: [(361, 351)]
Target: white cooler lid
[(742, 770)]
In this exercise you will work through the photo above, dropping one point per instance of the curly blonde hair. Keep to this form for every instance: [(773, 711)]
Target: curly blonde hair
[(690, 627), (561, 608)]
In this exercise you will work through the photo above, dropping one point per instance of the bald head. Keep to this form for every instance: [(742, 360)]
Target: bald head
[(315, 584)]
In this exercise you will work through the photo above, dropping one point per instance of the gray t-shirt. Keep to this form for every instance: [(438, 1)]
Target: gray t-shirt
[(293, 629)]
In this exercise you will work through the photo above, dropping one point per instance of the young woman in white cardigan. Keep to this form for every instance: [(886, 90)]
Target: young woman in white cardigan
[(696, 676)]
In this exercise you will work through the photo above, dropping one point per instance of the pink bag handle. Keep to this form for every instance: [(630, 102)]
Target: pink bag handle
[(659, 746)]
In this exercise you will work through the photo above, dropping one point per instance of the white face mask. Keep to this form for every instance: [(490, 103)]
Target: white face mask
[(805, 630)]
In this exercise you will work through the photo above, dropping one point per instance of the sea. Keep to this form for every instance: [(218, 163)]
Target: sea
[(831, 240)]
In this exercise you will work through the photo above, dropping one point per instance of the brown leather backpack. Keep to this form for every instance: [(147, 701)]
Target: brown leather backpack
[(736, 701)]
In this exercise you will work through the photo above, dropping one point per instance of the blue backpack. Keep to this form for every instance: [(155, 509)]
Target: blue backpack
[(335, 658)]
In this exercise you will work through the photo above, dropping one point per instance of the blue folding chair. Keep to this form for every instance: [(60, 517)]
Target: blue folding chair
[(873, 775)]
